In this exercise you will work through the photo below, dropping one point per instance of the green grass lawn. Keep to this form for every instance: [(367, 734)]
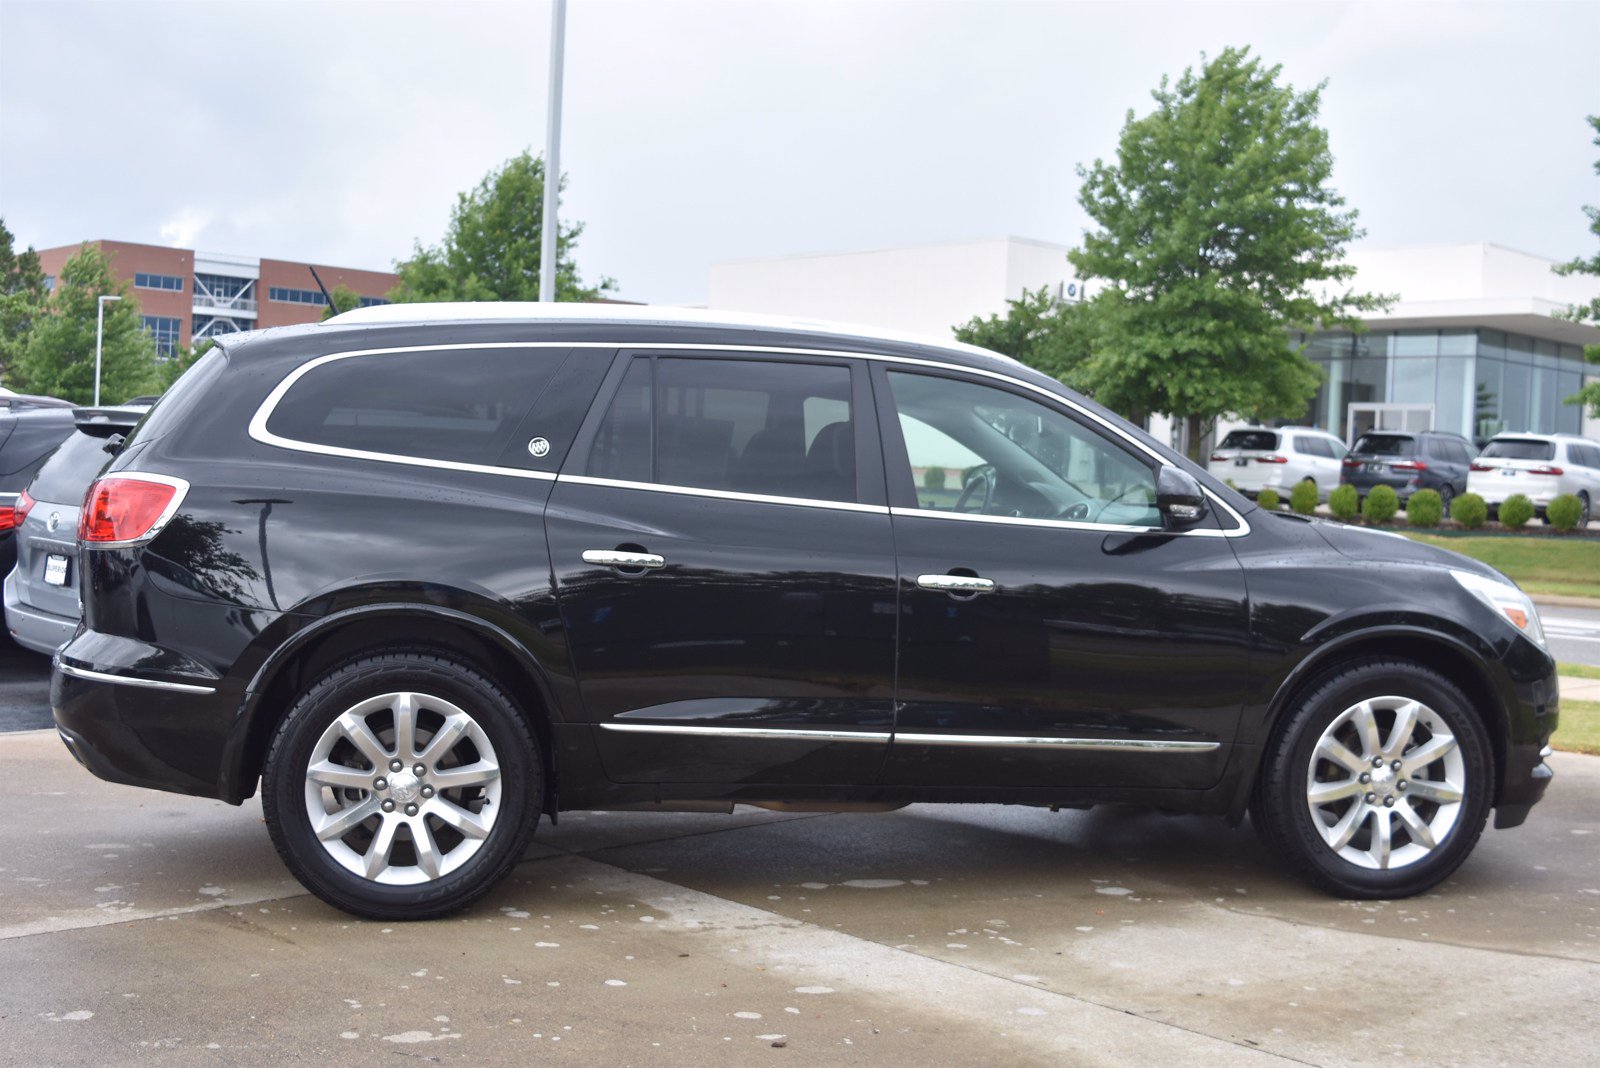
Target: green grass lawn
[(1578, 671), (1580, 728), (1537, 564)]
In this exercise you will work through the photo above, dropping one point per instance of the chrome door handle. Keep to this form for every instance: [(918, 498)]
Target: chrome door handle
[(956, 583), (618, 558)]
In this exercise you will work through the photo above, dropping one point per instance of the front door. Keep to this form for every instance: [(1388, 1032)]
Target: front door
[(725, 567), (1052, 634)]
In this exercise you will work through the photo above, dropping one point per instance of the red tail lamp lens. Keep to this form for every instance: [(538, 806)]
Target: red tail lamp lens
[(1548, 469), (1272, 459), (1481, 467), (125, 509), (12, 515)]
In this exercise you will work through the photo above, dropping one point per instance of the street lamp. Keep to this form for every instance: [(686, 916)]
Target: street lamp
[(552, 155), (99, 341)]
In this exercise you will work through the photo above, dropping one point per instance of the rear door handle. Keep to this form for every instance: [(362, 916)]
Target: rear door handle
[(619, 558), (956, 583)]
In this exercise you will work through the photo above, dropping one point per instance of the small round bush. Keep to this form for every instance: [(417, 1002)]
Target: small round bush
[(1515, 511), (1268, 499), (1344, 502), (1469, 510), (1303, 498), (1425, 509), (1564, 512), (934, 478), (1381, 505)]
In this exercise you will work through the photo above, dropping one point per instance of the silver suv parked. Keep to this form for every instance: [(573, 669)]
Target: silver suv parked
[(1255, 458), (1541, 467)]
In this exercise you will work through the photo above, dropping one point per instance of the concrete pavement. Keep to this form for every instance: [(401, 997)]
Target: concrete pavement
[(162, 929)]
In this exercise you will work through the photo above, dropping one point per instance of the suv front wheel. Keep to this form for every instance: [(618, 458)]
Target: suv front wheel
[(402, 787), (1380, 782)]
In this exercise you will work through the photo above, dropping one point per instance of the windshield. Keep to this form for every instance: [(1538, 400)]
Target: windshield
[(1385, 444), (1520, 449), (65, 477), (1259, 440)]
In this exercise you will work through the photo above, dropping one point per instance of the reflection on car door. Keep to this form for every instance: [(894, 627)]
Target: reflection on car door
[(725, 568), (1086, 647)]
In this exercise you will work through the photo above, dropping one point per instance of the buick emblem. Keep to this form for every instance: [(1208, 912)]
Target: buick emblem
[(53, 522), (539, 447)]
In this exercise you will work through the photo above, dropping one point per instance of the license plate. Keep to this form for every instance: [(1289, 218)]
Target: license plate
[(1376, 469), (55, 569), (1243, 461), (1508, 472)]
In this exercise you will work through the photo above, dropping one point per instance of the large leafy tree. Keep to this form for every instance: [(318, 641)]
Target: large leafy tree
[(1217, 231), (59, 357), (1589, 396), (492, 249), (22, 299), (1038, 329)]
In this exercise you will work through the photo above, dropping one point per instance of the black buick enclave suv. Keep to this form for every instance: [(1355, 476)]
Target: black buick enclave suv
[(429, 572)]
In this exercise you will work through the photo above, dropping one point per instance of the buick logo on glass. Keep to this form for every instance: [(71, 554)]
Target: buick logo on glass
[(539, 447)]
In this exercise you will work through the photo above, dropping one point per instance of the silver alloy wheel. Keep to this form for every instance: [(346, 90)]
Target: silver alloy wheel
[(402, 788), (1386, 782)]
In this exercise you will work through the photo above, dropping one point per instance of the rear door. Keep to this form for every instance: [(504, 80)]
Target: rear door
[(725, 568)]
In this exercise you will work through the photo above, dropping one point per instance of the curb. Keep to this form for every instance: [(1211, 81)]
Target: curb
[(1564, 600)]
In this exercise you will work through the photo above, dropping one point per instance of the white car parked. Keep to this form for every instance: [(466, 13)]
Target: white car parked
[(1540, 467), (1278, 458)]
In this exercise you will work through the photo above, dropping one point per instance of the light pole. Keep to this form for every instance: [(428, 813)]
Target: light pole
[(552, 155), (99, 341)]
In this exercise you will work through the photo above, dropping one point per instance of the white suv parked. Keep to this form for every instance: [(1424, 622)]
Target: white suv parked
[(1255, 458), (1540, 467)]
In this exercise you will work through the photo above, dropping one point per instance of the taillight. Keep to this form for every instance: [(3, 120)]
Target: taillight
[(128, 509), (1409, 465), (12, 515), (1272, 459), (1480, 467), (1217, 457), (1547, 469), (1350, 461)]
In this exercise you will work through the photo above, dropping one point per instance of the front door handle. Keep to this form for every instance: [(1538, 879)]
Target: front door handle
[(619, 558), (969, 584)]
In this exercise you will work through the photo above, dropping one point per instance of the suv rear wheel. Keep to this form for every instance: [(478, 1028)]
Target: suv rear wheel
[(1380, 782), (402, 787)]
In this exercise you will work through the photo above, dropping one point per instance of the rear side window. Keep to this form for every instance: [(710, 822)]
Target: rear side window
[(1385, 445), (1585, 455), (1314, 446), (459, 406), (65, 477), (1519, 449), (778, 429), (1262, 440)]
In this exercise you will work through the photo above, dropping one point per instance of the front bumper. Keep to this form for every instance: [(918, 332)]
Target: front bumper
[(1533, 717)]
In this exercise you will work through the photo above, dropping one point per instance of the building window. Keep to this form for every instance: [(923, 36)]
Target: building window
[(170, 282), (217, 325), (285, 295), (165, 330), (49, 283), (373, 302), (221, 286)]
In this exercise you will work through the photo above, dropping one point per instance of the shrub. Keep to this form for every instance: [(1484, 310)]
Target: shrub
[(1268, 499), (1515, 511), (1469, 510), (1564, 512), (1425, 508), (1344, 502), (1303, 498), (1381, 505), (933, 478)]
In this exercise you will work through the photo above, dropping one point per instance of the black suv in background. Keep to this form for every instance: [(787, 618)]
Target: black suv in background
[(1408, 462), (428, 572)]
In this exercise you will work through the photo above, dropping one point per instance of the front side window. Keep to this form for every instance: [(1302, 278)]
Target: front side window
[(456, 406), (745, 426), (984, 451)]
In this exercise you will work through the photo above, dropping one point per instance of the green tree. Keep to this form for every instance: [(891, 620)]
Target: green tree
[(170, 369), (1589, 395), (22, 298), (1046, 333), (59, 357), (344, 299), (491, 250), (1217, 231)]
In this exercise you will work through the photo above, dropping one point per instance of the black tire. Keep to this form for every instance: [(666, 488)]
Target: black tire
[(1283, 816), (1587, 514), (520, 785), (1447, 497)]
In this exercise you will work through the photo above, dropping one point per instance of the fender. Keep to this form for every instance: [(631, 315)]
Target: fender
[(230, 782)]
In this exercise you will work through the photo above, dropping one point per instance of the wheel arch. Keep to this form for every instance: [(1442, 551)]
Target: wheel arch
[(341, 636)]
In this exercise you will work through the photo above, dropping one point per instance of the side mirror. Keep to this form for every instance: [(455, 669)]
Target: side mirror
[(1179, 499)]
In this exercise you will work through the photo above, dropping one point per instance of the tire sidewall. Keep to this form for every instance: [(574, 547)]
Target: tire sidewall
[(283, 788), (1327, 704)]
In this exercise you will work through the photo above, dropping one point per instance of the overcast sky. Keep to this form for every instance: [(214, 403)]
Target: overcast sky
[(696, 132)]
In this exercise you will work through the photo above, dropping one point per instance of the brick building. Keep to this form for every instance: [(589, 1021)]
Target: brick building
[(185, 296)]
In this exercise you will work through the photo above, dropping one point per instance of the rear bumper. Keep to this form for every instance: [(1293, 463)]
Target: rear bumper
[(1494, 494), (31, 628)]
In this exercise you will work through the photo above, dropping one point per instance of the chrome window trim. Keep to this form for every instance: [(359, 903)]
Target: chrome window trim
[(258, 427), (803, 734), (129, 680), (1011, 741), (179, 484), (1020, 521)]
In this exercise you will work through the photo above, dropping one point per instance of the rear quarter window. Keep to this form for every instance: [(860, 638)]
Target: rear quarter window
[(65, 477)]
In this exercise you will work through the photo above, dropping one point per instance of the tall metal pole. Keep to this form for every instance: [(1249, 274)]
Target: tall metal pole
[(552, 155), (99, 341)]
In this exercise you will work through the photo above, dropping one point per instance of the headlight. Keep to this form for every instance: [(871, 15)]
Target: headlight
[(1511, 603)]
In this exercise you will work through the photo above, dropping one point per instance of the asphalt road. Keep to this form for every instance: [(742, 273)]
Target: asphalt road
[(154, 929), (1573, 633), (24, 688)]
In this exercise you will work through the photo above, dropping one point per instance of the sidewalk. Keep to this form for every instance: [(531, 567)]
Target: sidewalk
[(1580, 689)]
